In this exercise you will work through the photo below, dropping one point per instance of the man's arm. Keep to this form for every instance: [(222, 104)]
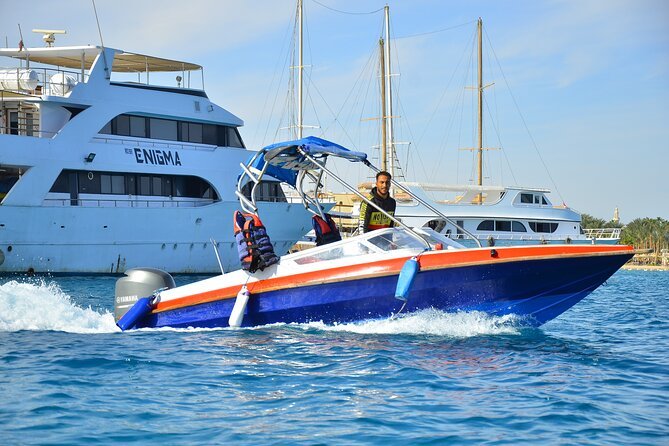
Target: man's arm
[(363, 218)]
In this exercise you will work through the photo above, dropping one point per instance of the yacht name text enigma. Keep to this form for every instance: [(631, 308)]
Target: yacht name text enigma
[(162, 157)]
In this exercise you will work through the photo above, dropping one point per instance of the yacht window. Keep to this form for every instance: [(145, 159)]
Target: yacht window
[(536, 199), (544, 227), (518, 226), (167, 186), (209, 134), (234, 140), (107, 129), (122, 125), (89, 183), (461, 224), (486, 225), (130, 185), (144, 185), (526, 198), (62, 183), (138, 126), (163, 129), (501, 225), (194, 132), (112, 184), (157, 186), (183, 131), (436, 225), (543, 200), (266, 191)]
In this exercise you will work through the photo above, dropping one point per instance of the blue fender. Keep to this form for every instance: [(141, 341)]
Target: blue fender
[(141, 308), (406, 278)]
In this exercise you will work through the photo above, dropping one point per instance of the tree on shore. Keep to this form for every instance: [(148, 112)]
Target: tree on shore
[(642, 233), (647, 233)]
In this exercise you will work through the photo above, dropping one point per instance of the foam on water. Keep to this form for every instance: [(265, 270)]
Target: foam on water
[(433, 322), (41, 306), (44, 306)]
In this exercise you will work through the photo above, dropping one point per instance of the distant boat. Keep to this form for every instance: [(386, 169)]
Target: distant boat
[(496, 215), (99, 175)]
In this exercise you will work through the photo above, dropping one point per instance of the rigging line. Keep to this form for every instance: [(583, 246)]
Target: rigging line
[(499, 138), (346, 12), (522, 118), (435, 31), (468, 49), (332, 112), (271, 87), (439, 102)]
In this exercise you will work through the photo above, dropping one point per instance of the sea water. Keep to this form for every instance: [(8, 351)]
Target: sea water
[(599, 374)]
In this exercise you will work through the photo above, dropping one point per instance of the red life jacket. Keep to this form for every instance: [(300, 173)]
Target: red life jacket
[(253, 244), (326, 230)]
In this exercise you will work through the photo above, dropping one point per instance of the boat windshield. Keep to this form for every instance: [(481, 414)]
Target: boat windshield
[(396, 239), (338, 251)]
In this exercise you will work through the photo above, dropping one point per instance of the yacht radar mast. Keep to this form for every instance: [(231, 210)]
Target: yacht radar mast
[(49, 35)]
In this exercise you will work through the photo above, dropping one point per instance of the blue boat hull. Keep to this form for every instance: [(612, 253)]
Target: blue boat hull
[(537, 290)]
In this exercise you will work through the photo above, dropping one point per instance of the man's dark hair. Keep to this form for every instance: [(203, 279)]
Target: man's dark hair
[(385, 174)]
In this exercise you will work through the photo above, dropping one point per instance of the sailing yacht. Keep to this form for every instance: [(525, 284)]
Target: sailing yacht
[(504, 215), (99, 174)]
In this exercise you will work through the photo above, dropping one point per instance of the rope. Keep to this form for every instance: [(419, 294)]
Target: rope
[(435, 31), (346, 12), (522, 118)]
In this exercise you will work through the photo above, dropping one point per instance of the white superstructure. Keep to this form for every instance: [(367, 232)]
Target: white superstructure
[(101, 175), (498, 215)]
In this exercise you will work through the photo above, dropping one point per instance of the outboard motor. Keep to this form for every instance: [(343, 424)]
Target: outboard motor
[(138, 283)]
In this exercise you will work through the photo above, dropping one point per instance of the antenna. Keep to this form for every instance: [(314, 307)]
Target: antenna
[(102, 43), (49, 35)]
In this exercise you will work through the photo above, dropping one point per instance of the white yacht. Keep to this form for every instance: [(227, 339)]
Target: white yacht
[(498, 215), (99, 174)]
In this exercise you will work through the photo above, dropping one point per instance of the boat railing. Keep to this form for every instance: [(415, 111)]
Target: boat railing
[(125, 203), (40, 80), (27, 129), (603, 233), (142, 142)]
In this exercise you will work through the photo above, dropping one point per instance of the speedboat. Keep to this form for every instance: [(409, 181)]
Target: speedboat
[(111, 159), (374, 275)]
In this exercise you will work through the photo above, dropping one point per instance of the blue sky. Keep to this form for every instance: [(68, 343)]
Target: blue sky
[(590, 78)]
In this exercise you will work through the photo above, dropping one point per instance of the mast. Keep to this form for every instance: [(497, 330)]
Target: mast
[(389, 103), (384, 146), (480, 106), (300, 66)]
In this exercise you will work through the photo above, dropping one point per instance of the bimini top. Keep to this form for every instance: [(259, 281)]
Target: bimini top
[(84, 56), (285, 161)]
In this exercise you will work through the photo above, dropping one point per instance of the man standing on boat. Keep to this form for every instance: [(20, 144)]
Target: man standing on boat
[(370, 217)]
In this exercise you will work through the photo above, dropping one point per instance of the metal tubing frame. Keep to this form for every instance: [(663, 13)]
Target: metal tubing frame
[(427, 205), (416, 235)]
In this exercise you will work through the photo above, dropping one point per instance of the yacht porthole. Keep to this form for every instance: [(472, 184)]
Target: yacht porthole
[(9, 248), (163, 246), (90, 175), (175, 246)]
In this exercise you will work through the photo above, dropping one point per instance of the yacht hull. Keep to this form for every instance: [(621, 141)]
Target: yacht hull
[(537, 283), (80, 240)]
